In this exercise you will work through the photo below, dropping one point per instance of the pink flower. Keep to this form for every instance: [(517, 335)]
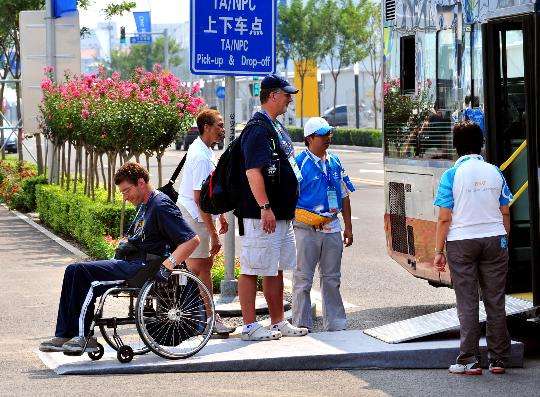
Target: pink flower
[(48, 69), (85, 113), (47, 84), (195, 89)]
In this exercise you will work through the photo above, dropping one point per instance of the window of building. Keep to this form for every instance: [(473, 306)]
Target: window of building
[(408, 61)]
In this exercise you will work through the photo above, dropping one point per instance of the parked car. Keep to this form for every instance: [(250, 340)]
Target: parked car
[(337, 119), (11, 144), (184, 142)]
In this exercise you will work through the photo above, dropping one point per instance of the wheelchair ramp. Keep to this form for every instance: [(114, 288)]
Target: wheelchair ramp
[(325, 350), (434, 323)]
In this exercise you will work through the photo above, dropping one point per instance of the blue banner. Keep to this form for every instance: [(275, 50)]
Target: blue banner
[(61, 7), (144, 25), (233, 37)]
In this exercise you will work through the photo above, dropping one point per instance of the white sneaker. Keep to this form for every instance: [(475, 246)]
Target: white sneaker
[(466, 369), (287, 329), (220, 327), (259, 333)]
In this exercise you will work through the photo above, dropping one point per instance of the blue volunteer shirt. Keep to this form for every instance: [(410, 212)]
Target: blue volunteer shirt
[(474, 190), (317, 178), (158, 227)]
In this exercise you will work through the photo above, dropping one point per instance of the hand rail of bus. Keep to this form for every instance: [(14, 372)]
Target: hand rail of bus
[(519, 192), (513, 156)]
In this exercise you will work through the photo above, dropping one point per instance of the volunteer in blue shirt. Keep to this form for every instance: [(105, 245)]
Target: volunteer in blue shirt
[(324, 193), (474, 221)]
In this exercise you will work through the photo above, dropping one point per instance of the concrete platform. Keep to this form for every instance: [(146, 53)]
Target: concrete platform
[(325, 350)]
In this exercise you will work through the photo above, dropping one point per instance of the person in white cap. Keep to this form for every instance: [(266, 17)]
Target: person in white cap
[(324, 193)]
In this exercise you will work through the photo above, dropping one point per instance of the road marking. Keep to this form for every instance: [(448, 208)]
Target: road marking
[(372, 182), (366, 171)]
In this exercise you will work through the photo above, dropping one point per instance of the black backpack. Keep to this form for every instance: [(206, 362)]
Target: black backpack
[(221, 191)]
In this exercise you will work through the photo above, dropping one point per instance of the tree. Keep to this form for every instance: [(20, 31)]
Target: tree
[(374, 50), (345, 37), (142, 55), (299, 37)]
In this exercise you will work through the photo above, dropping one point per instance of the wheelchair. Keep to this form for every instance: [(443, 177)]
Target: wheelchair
[(174, 320)]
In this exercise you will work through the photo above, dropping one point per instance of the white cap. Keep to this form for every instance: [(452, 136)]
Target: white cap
[(316, 125)]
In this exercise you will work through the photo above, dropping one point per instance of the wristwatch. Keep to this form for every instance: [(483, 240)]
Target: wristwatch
[(265, 206)]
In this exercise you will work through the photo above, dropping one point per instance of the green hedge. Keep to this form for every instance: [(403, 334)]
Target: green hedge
[(25, 199), (82, 219), (345, 136)]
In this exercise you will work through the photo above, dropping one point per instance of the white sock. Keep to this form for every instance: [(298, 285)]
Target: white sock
[(247, 327), (278, 324)]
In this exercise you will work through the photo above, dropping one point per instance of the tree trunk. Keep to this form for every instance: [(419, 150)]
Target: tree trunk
[(109, 177), (63, 159), (39, 155), (86, 173), (302, 76), (20, 134), (46, 155), (103, 177), (335, 77), (147, 162), (92, 177), (113, 171), (2, 87), (138, 157), (68, 168), (58, 161), (160, 173), (76, 169), (122, 217)]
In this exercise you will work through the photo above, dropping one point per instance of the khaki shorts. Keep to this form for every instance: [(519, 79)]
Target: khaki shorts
[(203, 249), (264, 254)]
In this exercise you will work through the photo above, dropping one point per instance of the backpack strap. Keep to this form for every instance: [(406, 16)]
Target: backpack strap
[(178, 169)]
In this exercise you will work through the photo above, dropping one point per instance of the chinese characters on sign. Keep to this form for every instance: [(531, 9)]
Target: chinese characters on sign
[(234, 37)]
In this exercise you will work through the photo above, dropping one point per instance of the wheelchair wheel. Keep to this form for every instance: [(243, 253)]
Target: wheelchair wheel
[(118, 307), (183, 316)]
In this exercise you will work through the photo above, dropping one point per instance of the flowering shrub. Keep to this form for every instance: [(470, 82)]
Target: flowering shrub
[(12, 177), (105, 114)]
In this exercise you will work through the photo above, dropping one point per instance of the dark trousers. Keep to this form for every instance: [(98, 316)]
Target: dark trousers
[(83, 282), (480, 262)]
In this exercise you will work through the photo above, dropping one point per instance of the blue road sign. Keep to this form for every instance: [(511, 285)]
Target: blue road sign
[(233, 37), (220, 92), (144, 25)]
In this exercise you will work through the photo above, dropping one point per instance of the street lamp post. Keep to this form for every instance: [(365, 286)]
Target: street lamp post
[(356, 69), (319, 86), (166, 49)]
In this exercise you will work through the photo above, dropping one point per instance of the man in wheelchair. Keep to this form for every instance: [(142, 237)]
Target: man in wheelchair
[(158, 230)]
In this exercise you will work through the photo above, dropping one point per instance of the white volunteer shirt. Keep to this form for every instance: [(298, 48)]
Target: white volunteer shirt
[(200, 162)]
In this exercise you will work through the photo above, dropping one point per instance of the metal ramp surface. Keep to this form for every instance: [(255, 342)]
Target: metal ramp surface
[(434, 323)]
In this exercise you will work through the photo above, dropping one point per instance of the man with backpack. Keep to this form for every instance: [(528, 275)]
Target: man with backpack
[(269, 191)]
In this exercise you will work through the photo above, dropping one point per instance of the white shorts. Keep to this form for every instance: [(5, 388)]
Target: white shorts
[(203, 249), (264, 254)]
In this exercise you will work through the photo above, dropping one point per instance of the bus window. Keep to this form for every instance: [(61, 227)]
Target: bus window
[(446, 70), (408, 57), (477, 67)]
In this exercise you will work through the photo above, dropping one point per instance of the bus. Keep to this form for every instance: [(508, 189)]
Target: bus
[(445, 61)]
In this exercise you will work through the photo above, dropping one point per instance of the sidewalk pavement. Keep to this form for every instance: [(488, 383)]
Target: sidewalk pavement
[(34, 263)]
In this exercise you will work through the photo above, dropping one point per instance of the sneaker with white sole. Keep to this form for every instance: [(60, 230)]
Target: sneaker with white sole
[(287, 329), (76, 345), (466, 369), (53, 345), (220, 327), (259, 333)]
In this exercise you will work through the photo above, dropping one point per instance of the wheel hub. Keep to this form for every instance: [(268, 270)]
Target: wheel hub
[(174, 314)]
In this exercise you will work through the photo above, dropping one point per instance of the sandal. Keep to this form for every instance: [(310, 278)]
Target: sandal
[(259, 333), (287, 329)]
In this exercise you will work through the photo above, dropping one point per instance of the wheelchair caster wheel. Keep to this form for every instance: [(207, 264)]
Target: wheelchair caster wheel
[(125, 354), (97, 355)]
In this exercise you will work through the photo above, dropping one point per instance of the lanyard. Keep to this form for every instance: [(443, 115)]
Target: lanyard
[(328, 174)]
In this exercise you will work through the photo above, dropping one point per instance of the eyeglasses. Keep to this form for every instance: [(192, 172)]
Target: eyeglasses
[(126, 190)]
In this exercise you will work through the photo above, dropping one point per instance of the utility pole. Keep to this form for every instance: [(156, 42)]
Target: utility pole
[(229, 283), (50, 57), (166, 49)]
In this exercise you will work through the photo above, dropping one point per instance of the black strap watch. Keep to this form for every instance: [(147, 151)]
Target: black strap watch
[(265, 206)]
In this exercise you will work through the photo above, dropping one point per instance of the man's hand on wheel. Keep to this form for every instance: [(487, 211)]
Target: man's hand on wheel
[(163, 274)]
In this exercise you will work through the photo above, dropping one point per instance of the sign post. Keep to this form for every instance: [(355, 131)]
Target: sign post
[(232, 38)]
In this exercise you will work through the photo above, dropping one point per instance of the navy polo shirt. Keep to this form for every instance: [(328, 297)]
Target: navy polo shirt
[(158, 227)]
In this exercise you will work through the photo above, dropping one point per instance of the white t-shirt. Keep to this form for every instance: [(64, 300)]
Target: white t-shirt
[(474, 190), (200, 162)]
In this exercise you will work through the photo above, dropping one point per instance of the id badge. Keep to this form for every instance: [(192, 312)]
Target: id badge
[(295, 168), (332, 200)]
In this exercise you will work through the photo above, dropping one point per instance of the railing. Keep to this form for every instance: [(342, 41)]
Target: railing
[(507, 163)]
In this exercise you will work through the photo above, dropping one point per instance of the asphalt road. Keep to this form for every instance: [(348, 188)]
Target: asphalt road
[(378, 291)]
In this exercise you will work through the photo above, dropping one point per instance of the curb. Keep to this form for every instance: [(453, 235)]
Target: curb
[(64, 244)]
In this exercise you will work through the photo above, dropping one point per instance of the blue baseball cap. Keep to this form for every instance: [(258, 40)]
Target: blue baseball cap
[(273, 81)]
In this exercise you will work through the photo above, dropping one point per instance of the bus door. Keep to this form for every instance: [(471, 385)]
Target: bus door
[(509, 68)]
